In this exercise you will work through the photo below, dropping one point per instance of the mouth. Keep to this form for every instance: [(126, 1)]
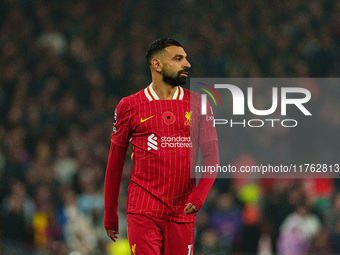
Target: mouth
[(184, 74)]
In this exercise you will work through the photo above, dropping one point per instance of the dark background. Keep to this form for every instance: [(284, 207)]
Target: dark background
[(64, 65)]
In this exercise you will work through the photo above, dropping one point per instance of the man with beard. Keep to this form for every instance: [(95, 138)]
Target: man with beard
[(165, 133)]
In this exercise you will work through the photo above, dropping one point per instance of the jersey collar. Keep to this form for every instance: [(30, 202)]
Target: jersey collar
[(151, 94)]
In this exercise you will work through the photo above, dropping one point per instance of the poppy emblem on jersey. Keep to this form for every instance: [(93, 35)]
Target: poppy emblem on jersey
[(169, 118), (188, 117)]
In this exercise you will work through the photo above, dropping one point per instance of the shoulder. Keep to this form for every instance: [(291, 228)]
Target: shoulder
[(192, 94), (193, 97), (132, 100)]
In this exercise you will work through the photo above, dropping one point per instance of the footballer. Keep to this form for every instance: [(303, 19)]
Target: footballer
[(164, 125)]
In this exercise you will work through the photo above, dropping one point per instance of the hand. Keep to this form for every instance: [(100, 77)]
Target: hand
[(112, 234), (190, 208)]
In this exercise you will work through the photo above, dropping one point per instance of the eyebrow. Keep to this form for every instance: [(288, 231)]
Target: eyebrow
[(178, 55)]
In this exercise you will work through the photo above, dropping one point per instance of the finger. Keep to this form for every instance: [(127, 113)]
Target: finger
[(188, 208), (114, 237), (190, 211), (112, 234), (109, 231)]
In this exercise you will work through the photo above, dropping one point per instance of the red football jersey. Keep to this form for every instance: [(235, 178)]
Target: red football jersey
[(163, 133)]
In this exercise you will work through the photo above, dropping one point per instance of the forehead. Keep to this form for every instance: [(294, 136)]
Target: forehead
[(172, 51)]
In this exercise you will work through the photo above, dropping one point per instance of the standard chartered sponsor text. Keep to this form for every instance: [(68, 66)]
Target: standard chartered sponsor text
[(176, 142)]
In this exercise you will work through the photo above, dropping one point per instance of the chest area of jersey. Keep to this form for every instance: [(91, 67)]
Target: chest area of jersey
[(164, 117)]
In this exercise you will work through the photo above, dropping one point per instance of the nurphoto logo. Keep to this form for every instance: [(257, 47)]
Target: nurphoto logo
[(295, 96)]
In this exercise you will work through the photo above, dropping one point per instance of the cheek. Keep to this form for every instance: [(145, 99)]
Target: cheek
[(169, 70)]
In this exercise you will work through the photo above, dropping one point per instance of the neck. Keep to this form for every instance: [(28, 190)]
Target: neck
[(163, 90)]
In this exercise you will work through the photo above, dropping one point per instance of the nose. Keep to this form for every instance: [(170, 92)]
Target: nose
[(187, 64)]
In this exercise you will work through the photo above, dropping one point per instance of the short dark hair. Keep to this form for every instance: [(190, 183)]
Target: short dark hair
[(158, 45)]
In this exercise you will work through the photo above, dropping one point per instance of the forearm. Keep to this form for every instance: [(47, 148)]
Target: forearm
[(211, 158), (113, 178)]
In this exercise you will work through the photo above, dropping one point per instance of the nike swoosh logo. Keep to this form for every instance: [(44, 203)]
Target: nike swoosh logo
[(143, 120)]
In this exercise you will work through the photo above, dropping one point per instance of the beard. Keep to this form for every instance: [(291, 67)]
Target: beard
[(177, 80)]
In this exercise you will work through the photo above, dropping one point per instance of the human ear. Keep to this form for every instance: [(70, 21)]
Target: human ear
[(157, 65)]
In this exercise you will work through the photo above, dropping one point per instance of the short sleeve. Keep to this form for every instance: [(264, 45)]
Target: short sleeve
[(121, 124), (207, 129)]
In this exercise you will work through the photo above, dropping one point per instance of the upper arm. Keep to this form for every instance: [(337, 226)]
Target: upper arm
[(121, 124), (207, 130)]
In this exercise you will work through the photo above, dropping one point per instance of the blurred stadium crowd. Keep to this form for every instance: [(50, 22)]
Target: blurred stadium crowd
[(64, 65)]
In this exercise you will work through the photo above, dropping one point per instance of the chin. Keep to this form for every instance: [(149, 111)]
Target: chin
[(182, 82)]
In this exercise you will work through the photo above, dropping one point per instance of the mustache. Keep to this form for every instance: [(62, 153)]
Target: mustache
[(184, 70)]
